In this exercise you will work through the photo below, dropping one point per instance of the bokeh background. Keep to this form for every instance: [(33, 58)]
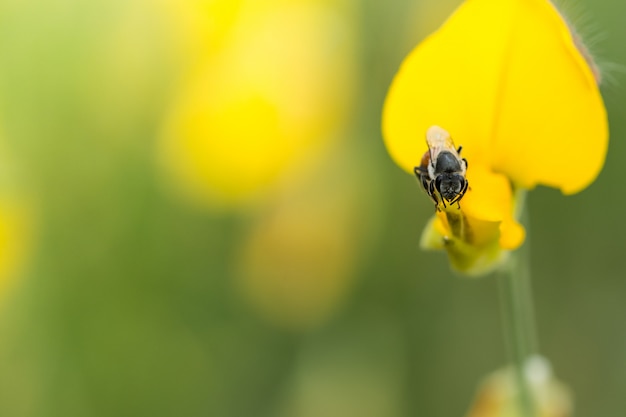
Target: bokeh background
[(198, 217)]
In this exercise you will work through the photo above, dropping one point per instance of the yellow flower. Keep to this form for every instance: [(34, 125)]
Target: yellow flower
[(268, 87), (508, 81), (296, 265)]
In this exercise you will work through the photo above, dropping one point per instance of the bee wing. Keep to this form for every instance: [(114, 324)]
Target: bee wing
[(438, 139)]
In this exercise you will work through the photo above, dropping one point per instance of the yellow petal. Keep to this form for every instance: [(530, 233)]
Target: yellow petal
[(552, 127), (489, 197), (506, 80), (450, 80), (512, 234)]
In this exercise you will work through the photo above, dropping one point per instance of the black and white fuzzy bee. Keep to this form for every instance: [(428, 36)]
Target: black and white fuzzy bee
[(442, 170)]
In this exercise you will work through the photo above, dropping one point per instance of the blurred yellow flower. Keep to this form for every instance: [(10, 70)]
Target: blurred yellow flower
[(269, 84), (262, 104), (14, 236), (498, 395), (297, 265), (507, 80), (16, 224)]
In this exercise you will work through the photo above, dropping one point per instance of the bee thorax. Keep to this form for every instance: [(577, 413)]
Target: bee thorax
[(447, 163)]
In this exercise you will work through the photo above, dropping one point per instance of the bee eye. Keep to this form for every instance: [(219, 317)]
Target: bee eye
[(438, 183)]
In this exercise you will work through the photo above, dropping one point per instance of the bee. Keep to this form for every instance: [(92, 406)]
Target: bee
[(442, 170)]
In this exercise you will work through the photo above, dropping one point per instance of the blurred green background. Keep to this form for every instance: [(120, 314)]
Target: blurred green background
[(198, 217)]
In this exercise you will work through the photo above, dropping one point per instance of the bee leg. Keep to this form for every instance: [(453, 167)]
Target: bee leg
[(437, 186), (423, 178), (425, 184), (465, 161), (459, 150), (433, 196), (460, 195), (457, 200)]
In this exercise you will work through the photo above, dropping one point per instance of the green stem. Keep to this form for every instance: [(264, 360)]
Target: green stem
[(519, 326)]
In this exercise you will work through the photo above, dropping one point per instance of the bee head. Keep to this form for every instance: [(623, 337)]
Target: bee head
[(450, 185)]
